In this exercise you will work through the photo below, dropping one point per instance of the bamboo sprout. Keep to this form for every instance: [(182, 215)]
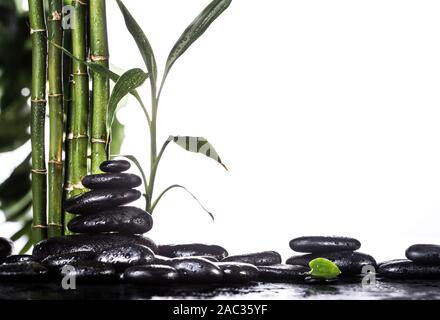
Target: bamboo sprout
[(55, 179), (100, 84), (38, 113)]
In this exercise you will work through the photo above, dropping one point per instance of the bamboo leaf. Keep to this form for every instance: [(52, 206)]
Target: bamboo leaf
[(118, 135), (129, 81), (24, 230), (197, 145), (141, 41), (174, 186), (195, 30), (27, 246)]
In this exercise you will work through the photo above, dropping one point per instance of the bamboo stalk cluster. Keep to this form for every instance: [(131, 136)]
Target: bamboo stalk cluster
[(77, 121)]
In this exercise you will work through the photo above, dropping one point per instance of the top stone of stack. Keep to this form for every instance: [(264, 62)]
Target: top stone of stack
[(115, 166)]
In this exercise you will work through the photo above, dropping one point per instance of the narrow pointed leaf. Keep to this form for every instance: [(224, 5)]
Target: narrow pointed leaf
[(129, 81), (197, 145), (27, 246), (25, 230), (138, 165), (195, 30), (181, 187), (141, 41)]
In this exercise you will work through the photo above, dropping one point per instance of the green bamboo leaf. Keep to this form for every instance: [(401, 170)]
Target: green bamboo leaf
[(141, 41), (197, 145), (129, 81), (24, 230), (118, 135), (174, 186), (27, 246), (323, 268), (138, 165), (195, 30)]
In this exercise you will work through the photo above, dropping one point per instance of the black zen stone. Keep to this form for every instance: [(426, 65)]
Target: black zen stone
[(111, 181), (282, 273), (125, 256), (424, 254), (115, 166), (89, 271), (60, 260), (264, 258), (5, 248), (23, 271), (197, 270), (238, 272), (318, 244), (151, 274), (99, 200), (129, 220), (192, 249), (87, 242), (349, 262), (161, 260), (19, 258), (408, 270), (317, 280)]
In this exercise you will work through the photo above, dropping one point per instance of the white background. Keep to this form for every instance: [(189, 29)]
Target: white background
[(325, 112)]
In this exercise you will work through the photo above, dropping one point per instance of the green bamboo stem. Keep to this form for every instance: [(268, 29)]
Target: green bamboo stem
[(100, 85), (38, 113), (79, 122), (55, 178)]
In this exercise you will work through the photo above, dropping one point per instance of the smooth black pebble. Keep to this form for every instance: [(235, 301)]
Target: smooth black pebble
[(238, 272), (282, 273), (125, 256), (115, 166), (424, 254), (89, 271), (128, 220), (197, 270), (99, 200), (151, 274), (319, 244), (23, 271), (192, 249), (318, 280), (408, 270), (264, 258), (19, 258), (5, 249), (111, 181), (57, 261)]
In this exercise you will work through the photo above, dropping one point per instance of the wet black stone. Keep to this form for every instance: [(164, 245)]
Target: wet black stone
[(129, 220), (99, 200), (111, 181), (5, 248), (350, 263), (115, 166), (238, 272), (87, 242), (319, 244), (19, 258), (151, 274), (317, 280), (161, 260), (89, 271), (424, 254), (197, 270), (282, 273), (264, 258), (60, 260), (406, 270), (389, 261), (125, 256), (23, 271), (192, 249)]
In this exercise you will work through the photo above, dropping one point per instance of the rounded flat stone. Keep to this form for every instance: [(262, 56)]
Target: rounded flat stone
[(111, 181), (191, 250), (89, 271), (128, 220), (60, 260), (19, 258), (349, 262), (424, 254), (5, 248), (87, 242), (115, 166), (151, 274), (264, 258), (238, 272), (409, 270), (99, 200), (282, 273), (197, 270), (319, 244), (125, 256), (316, 280), (161, 260), (23, 271)]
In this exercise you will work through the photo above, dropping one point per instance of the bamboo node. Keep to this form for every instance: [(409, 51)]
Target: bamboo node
[(53, 224), (80, 136), (39, 226), (56, 162), (69, 136), (79, 74), (39, 101), (39, 171), (68, 188), (96, 140), (56, 16), (37, 30), (54, 95), (78, 186), (98, 58), (80, 2)]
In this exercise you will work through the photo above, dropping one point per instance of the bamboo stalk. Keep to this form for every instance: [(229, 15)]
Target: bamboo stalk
[(79, 121), (38, 113), (100, 85), (55, 179)]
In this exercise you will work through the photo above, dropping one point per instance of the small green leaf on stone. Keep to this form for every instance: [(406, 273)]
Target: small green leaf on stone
[(323, 268)]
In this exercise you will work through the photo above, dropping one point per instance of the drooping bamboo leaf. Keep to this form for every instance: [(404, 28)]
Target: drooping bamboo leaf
[(197, 145), (141, 41), (174, 186), (195, 30), (15, 211), (27, 246), (25, 230), (118, 135), (129, 81)]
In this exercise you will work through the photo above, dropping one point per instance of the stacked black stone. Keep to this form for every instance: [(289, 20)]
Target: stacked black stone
[(339, 250), (423, 263)]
